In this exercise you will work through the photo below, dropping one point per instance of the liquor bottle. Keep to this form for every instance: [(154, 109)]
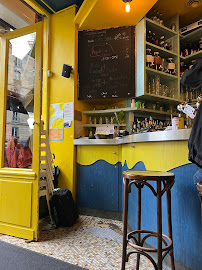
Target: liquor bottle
[(162, 42), (149, 58), (153, 38), (157, 61), (186, 50), (196, 48), (171, 66), (191, 48), (149, 36), (147, 123)]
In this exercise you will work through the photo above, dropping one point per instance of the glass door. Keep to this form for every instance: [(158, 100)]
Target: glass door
[(20, 114)]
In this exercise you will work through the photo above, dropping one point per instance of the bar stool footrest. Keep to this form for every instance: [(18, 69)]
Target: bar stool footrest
[(139, 245)]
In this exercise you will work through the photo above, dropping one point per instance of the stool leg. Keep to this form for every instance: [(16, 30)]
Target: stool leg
[(168, 195), (125, 217), (138, 222), (159, 225)]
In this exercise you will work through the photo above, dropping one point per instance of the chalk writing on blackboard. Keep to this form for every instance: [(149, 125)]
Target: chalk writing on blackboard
[(106, 63)]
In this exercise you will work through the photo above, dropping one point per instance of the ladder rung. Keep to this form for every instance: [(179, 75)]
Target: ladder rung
[(42, 183), (42, 166), (43, 140), (43, 132), (43, 174), (42, 192)]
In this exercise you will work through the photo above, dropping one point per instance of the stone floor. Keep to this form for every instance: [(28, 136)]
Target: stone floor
[(93, 243)]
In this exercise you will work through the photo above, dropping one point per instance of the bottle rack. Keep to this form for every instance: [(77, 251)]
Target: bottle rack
[(145, 74)]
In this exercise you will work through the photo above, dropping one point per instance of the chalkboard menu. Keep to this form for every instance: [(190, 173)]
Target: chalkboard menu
[(106, 63)]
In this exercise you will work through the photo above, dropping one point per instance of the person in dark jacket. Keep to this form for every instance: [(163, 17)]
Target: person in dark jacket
[(193, 79)]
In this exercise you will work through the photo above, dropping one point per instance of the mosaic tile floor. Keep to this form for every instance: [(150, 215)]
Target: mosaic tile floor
[(93, 243)]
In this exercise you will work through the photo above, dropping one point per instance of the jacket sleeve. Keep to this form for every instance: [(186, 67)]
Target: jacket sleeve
[(193, 77)]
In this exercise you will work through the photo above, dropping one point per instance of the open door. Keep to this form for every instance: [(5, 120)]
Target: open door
[(20, 114)]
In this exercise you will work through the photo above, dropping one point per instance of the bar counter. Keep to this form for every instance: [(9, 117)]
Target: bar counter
[(169, 135), (100, 164)]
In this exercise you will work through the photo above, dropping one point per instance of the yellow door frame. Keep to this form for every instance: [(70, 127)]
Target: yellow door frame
[(19, 185), (46, 57)]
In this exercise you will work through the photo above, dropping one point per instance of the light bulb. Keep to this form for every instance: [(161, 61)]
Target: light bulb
[(127, 7)]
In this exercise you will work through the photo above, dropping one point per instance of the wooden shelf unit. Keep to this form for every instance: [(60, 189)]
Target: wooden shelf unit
[(145, 74)]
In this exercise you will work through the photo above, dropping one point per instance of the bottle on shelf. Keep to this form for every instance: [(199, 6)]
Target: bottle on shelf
[(157, 61), (100, 120), (149, 58), (149, 36), (90, 120), (162, 41), (171, 66), (173, 27)]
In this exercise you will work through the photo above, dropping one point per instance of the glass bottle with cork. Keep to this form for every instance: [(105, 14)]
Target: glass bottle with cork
[(171, 66), (157, 61), (149, 58)]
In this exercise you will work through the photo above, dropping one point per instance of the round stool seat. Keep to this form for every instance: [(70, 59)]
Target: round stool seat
[(148, 175)]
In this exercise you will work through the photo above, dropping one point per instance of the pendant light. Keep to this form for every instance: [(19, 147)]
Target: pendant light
[(127, 5)]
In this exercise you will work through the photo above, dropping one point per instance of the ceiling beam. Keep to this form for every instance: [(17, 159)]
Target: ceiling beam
[(84, 11), (20, 9), (36, 6)]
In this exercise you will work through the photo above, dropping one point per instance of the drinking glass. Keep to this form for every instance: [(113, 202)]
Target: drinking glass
[(157, 84)]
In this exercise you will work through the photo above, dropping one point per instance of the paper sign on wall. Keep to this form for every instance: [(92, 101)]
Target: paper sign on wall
[(56, 116), (56, 134), (68, 114), (56, 122)]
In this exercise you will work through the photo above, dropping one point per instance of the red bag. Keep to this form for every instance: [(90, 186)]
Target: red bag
[(24, 157)]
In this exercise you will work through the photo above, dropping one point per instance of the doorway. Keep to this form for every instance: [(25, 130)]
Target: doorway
[(20, 114)]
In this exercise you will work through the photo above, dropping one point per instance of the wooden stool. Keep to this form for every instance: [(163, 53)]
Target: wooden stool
[(140, 178)]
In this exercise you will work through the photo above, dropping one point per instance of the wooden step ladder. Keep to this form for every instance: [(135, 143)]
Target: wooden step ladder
[(46, 171)]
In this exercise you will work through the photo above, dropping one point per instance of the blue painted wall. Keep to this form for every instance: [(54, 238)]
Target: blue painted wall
[(187, 226), (98, 186)]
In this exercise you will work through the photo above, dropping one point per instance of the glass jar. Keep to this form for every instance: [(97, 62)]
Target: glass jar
[(100, 120), (173, 27), (161, 22), (157, 61), (157, 84), (90, 120), (149, 58), (171, 66)]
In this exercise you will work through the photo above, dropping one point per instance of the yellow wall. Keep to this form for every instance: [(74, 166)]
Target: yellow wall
[(62, 89), (160, 156)]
